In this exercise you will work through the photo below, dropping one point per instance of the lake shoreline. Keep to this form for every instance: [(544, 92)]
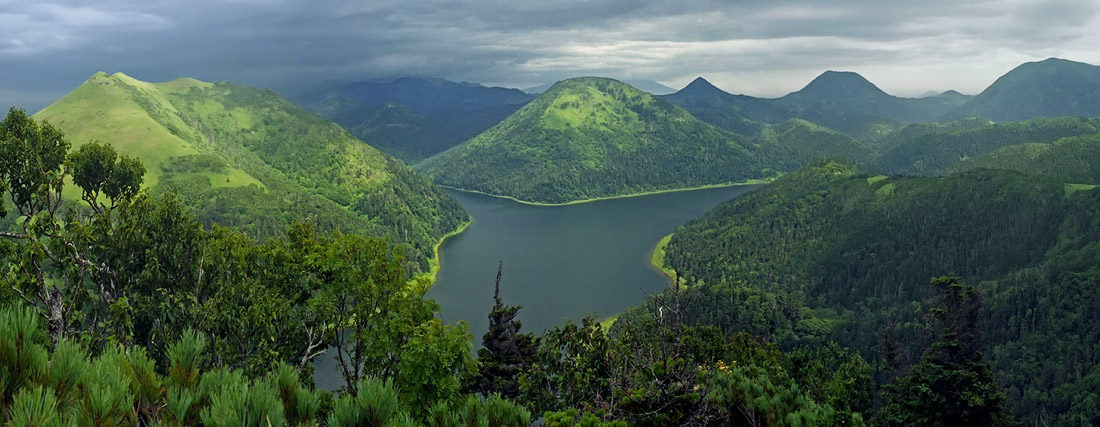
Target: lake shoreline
[(435, 264), (754, 181)]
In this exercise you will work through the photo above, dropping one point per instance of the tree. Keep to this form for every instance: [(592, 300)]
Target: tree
[(506, 352), (953, 385)]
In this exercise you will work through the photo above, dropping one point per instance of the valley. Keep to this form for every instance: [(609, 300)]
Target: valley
[(834, 256)]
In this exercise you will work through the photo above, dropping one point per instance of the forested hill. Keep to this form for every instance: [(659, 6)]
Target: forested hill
[(246, 158), (827, 253), (597, 137), (930, 149), (1049, 88)]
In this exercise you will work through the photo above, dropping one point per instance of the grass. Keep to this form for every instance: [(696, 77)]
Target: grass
[(886, 190), (436, 263), (657, 258), (116, 109), (1073, 188), (754, 181), (876, 178)]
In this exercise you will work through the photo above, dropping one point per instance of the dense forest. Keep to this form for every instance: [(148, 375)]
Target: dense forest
[(827, 253)]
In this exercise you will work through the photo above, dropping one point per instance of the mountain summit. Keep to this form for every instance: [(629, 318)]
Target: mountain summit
[(1049, 88), (594, 137)]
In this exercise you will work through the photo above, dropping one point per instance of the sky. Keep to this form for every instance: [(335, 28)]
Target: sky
[(756, 47)]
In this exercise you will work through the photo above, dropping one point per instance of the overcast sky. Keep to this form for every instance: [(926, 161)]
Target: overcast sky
[(763, 48)]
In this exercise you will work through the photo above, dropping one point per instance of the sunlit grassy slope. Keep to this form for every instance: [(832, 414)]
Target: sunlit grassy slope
[(247, 158), (595, 137)]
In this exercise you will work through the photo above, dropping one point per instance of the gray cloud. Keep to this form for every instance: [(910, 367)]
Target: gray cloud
[(759, 47)]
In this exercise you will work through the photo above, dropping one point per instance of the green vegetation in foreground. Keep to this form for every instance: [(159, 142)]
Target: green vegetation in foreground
[(821, 255), (590, 138), (124, 310), (624, 196), (130, 312), (248, 159)]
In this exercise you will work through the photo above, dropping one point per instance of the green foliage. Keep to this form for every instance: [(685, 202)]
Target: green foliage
[(185, 359), (35, 406), (952, 385), (433, 363), (23, 359), (593, 137), (374, 404), (240, 402), (505, 352), (97, 169)]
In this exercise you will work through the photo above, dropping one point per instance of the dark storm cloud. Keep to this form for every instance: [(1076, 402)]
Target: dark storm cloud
[(47, 47)]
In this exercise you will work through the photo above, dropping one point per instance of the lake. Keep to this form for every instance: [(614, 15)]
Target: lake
[(559, 262)]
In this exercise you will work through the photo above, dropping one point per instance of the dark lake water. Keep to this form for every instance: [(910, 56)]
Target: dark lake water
[(559, 262)]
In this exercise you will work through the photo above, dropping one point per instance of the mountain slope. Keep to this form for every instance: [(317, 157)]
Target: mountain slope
[(826, 253), (1049, 88), (595, 137), (248, 159), (1077, 159), (941, 147), (414, 117)]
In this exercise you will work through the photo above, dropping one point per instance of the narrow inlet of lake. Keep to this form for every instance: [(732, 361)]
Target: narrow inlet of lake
[(560, 262)]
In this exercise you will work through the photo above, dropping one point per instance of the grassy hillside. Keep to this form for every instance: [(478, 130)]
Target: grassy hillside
[(1049, 88), (826, 253), (596, 137), (248, 159)]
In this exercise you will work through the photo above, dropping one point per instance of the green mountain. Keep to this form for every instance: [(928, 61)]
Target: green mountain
[(930, 149), (826, 253), (412, 118), (1048, 88), (248, 159), (596, 137)]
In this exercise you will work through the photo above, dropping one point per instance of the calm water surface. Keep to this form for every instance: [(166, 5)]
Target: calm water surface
[(560, 262)]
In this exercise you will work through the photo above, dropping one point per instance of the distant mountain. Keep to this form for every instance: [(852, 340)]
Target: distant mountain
[(247, 158), (1049, 88), (413, 117), (649, 86), (843, 101), (596, 137)]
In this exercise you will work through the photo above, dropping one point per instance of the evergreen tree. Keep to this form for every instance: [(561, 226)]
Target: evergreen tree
[(506, 352), (953, 385)]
